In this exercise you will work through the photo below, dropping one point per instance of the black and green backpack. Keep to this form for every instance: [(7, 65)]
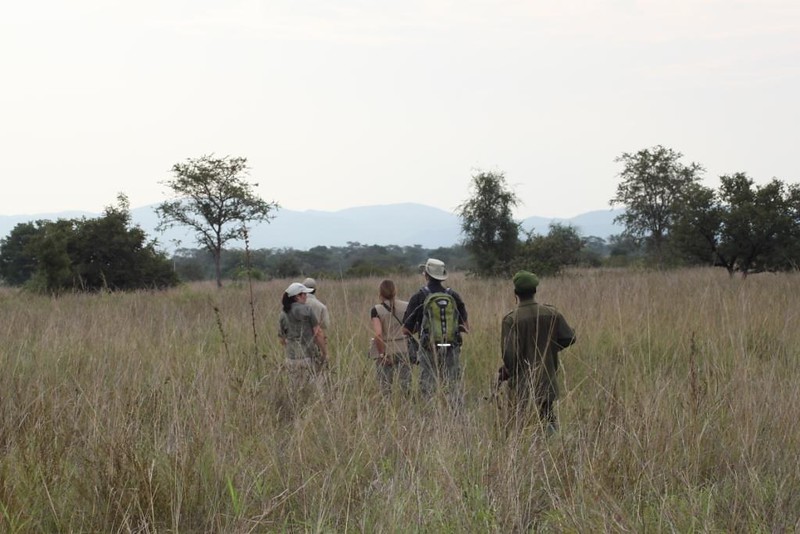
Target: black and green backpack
[(439, 327)]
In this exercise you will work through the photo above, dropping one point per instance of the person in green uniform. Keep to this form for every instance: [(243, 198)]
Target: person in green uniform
[(532, 335)]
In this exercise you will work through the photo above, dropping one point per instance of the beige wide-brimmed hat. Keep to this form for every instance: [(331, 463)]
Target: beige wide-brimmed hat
[(435, 269)]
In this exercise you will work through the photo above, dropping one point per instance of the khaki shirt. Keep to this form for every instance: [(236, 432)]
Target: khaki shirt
[(391, 326), (320, 311), (297, 328)]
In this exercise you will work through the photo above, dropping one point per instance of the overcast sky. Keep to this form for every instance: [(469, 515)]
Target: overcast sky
[(341, 103)]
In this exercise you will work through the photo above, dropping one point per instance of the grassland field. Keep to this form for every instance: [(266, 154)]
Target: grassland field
[(168, 412)]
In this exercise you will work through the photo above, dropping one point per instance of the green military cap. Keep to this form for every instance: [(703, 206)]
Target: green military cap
[(525, 281)]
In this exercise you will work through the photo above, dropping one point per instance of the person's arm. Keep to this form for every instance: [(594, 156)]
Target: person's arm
[(319, 339), (566, 335), (411, 319), (377, 330), (506, 347), (325, 318), (282, 329), (463, 322), (319, 335)]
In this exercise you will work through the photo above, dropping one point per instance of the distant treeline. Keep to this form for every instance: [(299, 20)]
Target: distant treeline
[(359, 260), (108, 253), (351, 261)]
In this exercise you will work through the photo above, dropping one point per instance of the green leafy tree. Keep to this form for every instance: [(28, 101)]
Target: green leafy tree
[(491, 235), (213, 198), (107, 252), (760, 224), (17, 265), (50, 250), (624, 250), (697, 226), (654, 183), (86, 254), (548, 254), (742, 227), (594, 250)]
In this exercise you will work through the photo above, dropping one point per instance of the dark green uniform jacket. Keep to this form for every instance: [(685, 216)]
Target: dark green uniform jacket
[(531, 337)]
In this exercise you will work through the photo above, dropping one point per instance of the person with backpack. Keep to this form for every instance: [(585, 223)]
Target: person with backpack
[(531, 337), (439, 315), (390, 343)]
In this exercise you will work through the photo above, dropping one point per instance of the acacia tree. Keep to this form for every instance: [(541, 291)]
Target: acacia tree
[(491, 234), (213, 198), (654, 182)]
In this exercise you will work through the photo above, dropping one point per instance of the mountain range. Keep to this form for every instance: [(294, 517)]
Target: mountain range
[(392, 224)]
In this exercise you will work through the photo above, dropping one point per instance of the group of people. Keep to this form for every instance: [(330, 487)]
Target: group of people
[(427, 330)]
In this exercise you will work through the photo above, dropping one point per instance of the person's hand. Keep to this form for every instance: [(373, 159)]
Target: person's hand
[(385, 360), (502, 374)]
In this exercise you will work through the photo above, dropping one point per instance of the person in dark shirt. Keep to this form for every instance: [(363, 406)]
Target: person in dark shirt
[(437, 365), (531, 337)]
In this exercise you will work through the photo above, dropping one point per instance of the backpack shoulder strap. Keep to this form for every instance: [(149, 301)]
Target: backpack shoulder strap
[(391, 311)]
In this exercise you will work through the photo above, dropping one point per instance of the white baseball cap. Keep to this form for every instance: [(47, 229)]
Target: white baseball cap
[(295, 288)]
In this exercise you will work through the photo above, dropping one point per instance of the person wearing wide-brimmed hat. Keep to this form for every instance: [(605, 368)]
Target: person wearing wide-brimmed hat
[(300, 333), (436, 365), (531, 337)]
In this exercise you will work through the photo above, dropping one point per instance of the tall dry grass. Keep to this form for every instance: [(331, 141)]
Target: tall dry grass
[(155, 412)]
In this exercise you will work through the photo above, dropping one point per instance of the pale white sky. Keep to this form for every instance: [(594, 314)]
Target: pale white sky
[(354, 102)]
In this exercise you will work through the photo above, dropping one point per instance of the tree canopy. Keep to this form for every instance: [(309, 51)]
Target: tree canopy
[(84, 255), (547, 254), (654, 183), (214, 198), (490, 233), (742, 226)]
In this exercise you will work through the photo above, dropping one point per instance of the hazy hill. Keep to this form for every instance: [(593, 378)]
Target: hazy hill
[(393, 224)]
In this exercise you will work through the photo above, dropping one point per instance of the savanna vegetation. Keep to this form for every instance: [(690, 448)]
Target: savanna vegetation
[(167, 412), (671, 220), (106, 253)]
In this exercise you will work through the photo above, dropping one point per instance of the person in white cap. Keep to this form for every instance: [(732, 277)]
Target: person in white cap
[(300, 333), (439, 359)]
